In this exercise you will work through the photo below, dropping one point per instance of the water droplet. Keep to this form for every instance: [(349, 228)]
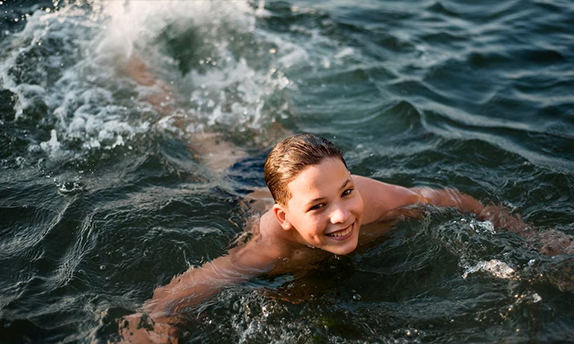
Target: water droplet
[(536, 298), (69, 188)]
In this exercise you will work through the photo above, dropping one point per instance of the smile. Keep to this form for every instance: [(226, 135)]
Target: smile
[(343, 233)]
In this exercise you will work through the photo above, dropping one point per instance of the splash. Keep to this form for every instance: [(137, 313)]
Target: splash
[(495, 267), (65, 70)]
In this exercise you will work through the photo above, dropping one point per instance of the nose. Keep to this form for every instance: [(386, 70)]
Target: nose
[(339, 214)]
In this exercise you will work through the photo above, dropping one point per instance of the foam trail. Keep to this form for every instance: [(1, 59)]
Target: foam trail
[(65, 69)]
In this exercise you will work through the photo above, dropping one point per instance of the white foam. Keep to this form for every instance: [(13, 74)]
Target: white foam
[(482, 226), (344, 52), (495, 267), (234, 96), (52, 146), (132, 22), (29, 95), (94, 40)]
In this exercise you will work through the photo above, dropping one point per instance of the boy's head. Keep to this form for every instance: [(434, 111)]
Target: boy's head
[(290, 157)]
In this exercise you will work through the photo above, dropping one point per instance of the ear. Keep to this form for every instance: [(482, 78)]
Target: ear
[(281, 216)]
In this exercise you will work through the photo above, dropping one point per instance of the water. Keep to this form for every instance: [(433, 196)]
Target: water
[(103, 197)]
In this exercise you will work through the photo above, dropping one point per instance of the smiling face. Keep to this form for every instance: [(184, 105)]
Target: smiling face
[(325, 210)]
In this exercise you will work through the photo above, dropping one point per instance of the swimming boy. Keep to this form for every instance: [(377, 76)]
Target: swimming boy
[(320, 209)]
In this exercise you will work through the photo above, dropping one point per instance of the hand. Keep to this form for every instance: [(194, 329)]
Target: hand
[(553, 242), (502, 218), (141, 328)]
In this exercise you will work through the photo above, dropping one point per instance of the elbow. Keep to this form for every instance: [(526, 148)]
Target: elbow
[(449, 198)]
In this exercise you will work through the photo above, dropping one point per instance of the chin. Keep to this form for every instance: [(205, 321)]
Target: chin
[(347, 249)]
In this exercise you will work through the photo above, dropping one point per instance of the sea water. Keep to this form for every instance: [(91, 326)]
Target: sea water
[(103, 197)]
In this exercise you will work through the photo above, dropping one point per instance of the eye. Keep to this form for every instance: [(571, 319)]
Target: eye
[(317, 206), (347, 192)]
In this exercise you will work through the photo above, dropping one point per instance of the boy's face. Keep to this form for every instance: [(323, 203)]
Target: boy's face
[(325, 209)]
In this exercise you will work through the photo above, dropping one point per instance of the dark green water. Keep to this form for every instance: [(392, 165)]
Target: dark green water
[(101, 199)]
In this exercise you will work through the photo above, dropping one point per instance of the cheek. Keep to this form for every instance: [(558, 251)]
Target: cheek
[(359, 207), (358, 204), (316, 225)]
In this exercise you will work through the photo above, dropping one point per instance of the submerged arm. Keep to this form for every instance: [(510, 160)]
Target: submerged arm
[(387, 200), (497, 215), (384, 200), (197, 284), (163, 311), (449, 198)]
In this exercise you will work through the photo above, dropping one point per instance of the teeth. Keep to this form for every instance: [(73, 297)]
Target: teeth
[(342, 233)]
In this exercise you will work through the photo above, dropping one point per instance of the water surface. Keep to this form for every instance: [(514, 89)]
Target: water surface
[(102, 197)]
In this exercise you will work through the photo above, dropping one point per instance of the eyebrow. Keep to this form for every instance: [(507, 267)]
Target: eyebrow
[(344, 185)]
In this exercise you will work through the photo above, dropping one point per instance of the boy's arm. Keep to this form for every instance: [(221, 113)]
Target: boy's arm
[(196, 284), (449, 198), (497, 215), (381, 199), (162, 311), (385, 200)]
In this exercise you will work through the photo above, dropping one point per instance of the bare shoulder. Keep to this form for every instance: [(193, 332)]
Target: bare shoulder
[(267, 245), (379, 198)]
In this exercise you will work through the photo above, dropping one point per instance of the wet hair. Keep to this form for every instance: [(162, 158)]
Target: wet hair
[(290, 157)]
